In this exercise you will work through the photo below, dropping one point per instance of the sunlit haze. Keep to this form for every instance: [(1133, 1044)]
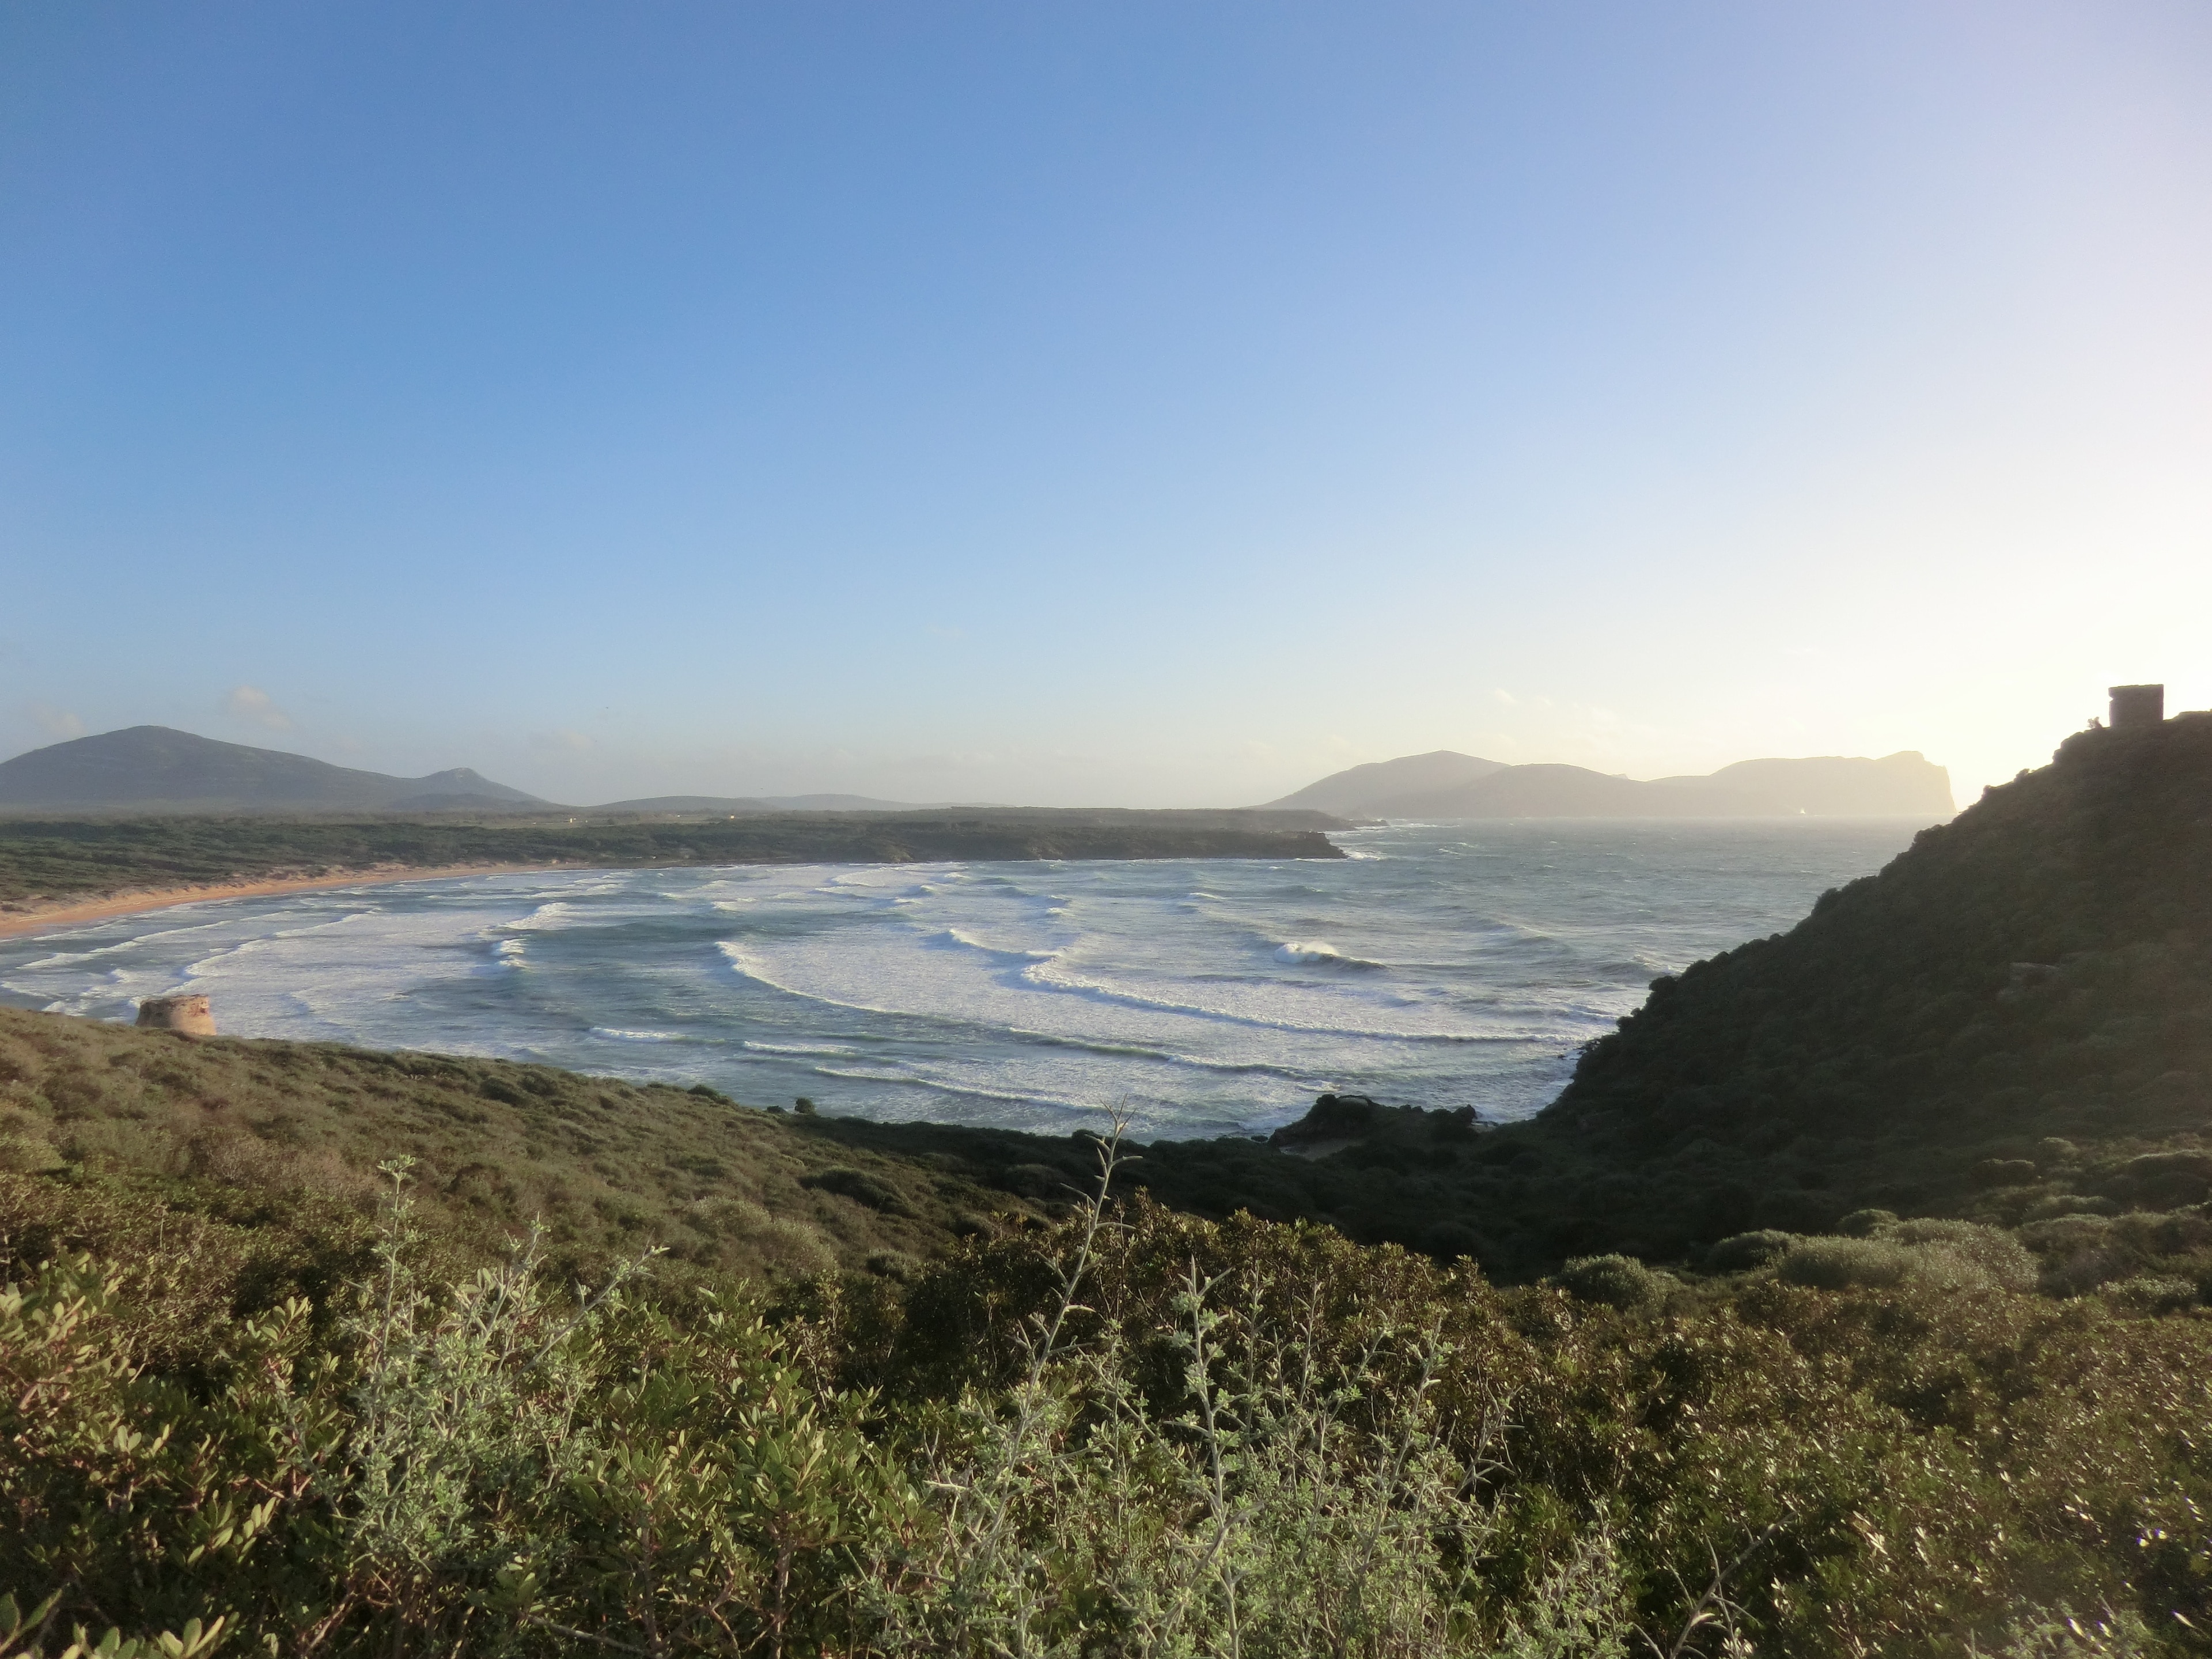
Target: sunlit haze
[(1119, 403)]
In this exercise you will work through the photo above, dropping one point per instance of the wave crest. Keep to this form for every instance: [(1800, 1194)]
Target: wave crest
[(1319, 950)]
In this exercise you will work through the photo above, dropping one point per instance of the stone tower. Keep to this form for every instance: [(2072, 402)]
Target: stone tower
[(187, 1016), (2136, 705)]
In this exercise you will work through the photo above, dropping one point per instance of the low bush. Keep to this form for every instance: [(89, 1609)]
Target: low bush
[(1136, 1432), (2152, 1295), (1745, 1251), (860, 1186), (1983, 1254), (1615, 1281)]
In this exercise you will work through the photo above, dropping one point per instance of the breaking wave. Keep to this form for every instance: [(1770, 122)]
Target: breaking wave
[(1212, 998)]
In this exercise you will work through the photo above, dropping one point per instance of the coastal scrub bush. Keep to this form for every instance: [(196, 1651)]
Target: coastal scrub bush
[(2149, 1294), (1745, 1251), (1839, 1264), (1982, 1254), (1615, 1281), (1134, 1432), (1861, 1223), (859, 1186), (1949, 1254)]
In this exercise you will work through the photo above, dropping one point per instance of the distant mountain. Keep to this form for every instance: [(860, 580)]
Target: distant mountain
[(1904, 785), (154, 769), (742, 805), (1353, 793)]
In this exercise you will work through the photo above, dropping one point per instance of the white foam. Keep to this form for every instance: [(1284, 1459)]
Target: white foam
[(1030, 988), (545, 919), (969, 941), (972, 1091)]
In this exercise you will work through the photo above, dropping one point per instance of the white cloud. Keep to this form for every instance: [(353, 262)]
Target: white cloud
[(565, 743), (253, 704), (56, 723)]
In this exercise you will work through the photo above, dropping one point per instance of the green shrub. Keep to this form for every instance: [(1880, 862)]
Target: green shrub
[(860, 1186), (1615, 1281), (1863, 1223), (1747, 1250), (1971, 1252), (2150, 1294), (1134, 1432), (1838, 1264)]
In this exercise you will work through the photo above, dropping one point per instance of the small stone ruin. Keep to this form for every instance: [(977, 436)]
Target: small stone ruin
[(187, 1016)]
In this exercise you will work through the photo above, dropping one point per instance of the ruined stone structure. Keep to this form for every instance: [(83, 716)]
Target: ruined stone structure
[(2136, 706), (187, 1016)]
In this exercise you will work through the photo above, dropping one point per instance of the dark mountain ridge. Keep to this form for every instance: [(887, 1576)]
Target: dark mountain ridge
[(155, 768)]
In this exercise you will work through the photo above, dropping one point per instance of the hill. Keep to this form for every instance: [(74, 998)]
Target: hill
[(154, 769), (218, 1132), (1902, 785), (1445, 785), (269, 1405), (2027, 983), (1355, 792)]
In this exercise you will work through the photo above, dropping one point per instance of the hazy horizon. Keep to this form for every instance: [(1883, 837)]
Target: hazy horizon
[(1137, 405), (277, 745)]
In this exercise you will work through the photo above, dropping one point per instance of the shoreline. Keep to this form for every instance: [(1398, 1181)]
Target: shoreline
[(66, 913)]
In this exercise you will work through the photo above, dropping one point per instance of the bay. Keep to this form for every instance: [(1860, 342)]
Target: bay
[(1439, 964)]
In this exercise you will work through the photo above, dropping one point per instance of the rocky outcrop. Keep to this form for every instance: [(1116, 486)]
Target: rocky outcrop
[(188, 1015)]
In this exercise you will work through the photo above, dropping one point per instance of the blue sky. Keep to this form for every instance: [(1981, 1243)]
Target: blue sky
[(1126, 402)]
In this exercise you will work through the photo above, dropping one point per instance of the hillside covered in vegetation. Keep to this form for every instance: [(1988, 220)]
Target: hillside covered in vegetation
[(750, 1386), (2018, 1000)]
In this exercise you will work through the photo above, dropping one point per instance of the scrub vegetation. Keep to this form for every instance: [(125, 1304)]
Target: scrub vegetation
[(1851, 1302), (641, 1370), (1128, 1433)]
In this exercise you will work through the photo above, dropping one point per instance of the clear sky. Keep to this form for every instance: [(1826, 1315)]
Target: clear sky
[(1116, 402)]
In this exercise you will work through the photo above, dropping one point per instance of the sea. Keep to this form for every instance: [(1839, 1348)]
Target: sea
[(1437, 965)]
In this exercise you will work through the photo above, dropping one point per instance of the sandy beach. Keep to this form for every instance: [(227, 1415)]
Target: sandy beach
[(58, 916)]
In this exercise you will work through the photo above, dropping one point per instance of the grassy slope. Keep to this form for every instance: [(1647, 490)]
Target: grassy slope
[(105, 1129), (65, 859)]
